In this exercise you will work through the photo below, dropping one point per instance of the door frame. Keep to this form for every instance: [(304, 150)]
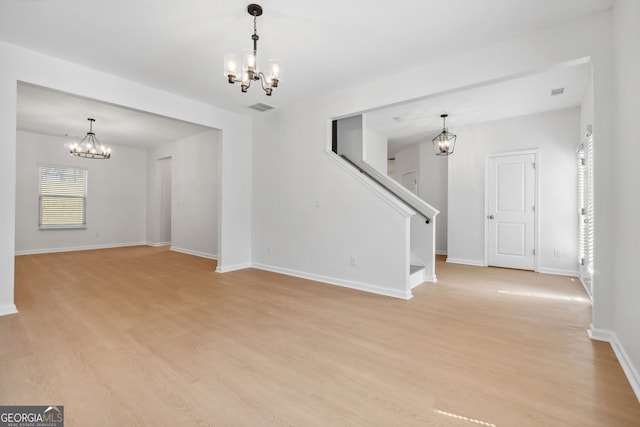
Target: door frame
[(536, 200)]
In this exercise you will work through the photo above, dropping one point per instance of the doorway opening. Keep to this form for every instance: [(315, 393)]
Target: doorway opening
[(165, 199)]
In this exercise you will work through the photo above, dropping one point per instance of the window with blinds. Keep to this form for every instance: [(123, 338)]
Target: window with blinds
[(63, 197), (585, 205)]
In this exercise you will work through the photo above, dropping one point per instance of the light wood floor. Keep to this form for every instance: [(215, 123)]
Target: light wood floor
[(144, 336)]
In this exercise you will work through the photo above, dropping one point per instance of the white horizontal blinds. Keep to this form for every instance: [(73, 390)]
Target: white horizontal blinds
[(589, 234), (63, 192), (582, 206), (585, 204)]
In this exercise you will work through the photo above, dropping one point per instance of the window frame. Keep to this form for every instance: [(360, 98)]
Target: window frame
[(76, 226)]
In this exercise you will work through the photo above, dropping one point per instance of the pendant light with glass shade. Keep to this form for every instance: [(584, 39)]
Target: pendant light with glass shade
[(247, 70)]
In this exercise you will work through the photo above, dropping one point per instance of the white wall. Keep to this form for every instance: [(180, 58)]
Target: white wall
[(116, 197), (312, 216), (292, 170), (433, 188), (407, 161), (432, 182), (194, 194), (350, 136), (20, 64), (626, 286), (555, 135), (374, 148)]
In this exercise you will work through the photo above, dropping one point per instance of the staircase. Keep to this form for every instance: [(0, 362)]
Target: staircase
[(422, 262), (348, 146)]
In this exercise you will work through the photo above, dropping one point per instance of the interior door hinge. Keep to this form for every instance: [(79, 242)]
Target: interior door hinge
[(533, 251), (533, 164)]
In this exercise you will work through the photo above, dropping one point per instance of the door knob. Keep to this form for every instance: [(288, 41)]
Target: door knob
[(490, 216)]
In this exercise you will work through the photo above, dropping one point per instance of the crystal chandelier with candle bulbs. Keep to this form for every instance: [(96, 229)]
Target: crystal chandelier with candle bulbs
[(247, 70), (89, 147)]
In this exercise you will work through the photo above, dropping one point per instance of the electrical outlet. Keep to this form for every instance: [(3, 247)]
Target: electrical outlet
[(354, 262), (556, 252), (269, 250)]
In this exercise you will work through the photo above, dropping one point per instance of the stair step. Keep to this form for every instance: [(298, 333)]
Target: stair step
[(416, 275), (415, 268)]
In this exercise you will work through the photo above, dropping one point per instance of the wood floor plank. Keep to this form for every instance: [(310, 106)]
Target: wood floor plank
[(146, 336)]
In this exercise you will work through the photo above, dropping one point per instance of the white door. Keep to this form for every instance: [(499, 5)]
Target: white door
[(410, 182), (511, 211)]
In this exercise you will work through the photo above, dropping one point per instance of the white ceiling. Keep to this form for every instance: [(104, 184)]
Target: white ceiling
[(50, 112), (412, 122), (325, 46)]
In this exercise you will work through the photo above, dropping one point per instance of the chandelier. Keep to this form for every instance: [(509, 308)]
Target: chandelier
[(89, 147), (249, 70), (444, 142)]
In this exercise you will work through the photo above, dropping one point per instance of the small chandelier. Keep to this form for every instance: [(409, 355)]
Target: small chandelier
[(89, 147), (444, 142), (250, 70)]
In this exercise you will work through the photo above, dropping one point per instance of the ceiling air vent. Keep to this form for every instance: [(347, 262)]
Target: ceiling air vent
[(556, 92), (262, 107)]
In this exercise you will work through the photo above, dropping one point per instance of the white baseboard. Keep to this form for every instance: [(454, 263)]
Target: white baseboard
[(558, 271), (338, 282), (230, 268), (431, 279), (466, 262), (627, 365), (158, 244), (441, 252), (196, 253), (8, 309), (78, 248)]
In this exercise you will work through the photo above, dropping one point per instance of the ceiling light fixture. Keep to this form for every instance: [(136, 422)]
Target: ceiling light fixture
[(89, 147), (445, 141), (250, 70)]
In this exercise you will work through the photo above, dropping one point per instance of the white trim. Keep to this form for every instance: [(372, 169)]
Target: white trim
[(466, 262), (195, 253), (5, 310), (430, 279), (558, 271), (360, 286), (439, 252), (158, 244), (229, 268), (78, 248), (625, 361)]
